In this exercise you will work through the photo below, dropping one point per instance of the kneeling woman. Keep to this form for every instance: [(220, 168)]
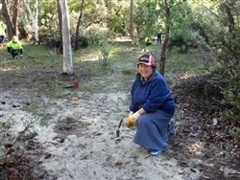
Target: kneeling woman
[(152, 107)]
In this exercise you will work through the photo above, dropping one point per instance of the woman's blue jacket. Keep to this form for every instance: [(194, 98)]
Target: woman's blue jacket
[(152, 95)]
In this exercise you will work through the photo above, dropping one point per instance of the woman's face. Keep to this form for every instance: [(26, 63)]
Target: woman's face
[(145, 71)]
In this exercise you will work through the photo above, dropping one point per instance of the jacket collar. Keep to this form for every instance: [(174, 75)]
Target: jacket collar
[(140, 78)]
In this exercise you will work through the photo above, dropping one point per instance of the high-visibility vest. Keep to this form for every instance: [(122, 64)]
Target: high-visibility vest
[(14, 45)]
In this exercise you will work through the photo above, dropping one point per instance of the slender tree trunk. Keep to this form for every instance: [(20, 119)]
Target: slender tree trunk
[(166, 34), (67, 48), (11, 21), (131, 19), (33, 17), (60, 25), (15, 16), (76, 47)]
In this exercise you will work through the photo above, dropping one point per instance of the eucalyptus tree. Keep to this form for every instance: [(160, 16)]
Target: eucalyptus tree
[(10, 14), (32, 8), (67, 49)]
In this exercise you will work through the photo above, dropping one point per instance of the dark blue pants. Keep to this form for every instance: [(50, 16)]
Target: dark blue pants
[(1, 39), (14, 53)]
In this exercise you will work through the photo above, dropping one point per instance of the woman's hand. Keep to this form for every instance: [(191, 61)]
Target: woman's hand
[(132, 119)]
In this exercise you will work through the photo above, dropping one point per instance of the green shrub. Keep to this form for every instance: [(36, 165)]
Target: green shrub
[(224, 37)]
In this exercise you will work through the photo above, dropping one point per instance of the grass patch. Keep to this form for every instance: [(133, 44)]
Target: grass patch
[(53, 89), (93, 73)]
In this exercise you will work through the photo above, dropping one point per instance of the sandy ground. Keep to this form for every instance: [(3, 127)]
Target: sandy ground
[(79, 141)]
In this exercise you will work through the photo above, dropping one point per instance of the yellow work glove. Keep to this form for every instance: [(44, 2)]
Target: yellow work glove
[(132, 119)]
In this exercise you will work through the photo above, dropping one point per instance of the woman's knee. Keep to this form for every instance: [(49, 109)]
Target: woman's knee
[(142, 120)]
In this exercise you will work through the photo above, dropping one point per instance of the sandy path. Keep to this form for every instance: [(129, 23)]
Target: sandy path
[(90, 149)]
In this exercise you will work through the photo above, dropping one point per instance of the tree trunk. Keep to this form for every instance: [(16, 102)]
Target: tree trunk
[(33, 18), (131, 19), (166, 34), (67, 49), (60, 25), (76, 47), (7, 17), (15, 16)]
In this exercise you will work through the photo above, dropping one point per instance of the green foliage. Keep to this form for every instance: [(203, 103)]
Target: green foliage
[(232, 96), (117, 19), (235, 133), (196, 66), (96, 35), (48, 16), (181, 18), (145, 20), (150, 18), (224, 38), (105, 49)]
